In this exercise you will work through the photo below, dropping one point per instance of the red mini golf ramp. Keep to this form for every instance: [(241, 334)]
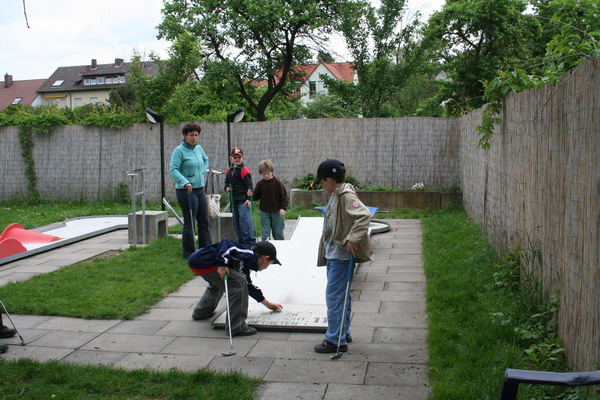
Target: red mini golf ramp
[(55, 235), (14, 239)]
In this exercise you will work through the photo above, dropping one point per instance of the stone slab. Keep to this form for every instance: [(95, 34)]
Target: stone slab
[(249, 366), (285, 390), (376, 392), (284, 370), (164, 362)]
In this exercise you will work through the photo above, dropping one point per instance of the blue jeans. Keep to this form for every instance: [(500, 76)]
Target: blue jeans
[(271, 220), (337, 279), (199, 206), (242, 222)]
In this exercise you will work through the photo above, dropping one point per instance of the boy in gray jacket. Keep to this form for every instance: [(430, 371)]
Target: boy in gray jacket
[(345, 237)]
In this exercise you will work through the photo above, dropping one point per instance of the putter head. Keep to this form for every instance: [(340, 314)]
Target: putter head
[(228, 353), (336, 356)]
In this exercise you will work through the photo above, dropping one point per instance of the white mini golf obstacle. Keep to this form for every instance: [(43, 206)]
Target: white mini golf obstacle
[(298, 284)]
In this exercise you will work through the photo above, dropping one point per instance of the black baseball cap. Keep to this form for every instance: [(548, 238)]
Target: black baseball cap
[(266, 249), (329, 169), (236, 152)]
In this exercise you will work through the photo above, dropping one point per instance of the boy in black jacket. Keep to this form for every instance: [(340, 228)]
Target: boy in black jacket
[(239, 178), (236, 260)]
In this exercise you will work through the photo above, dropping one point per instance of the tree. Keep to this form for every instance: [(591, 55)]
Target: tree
[(385, 56), (248, 41), (575, 29), (142, 91), (475, 39)]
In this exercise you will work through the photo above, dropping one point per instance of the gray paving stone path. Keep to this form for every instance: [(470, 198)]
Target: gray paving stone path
[(387, 359)]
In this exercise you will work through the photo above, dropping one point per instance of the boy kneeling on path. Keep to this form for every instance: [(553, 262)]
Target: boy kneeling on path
[(236, 260)]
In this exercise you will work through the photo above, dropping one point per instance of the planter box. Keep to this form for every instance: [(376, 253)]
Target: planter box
[(383, 200)]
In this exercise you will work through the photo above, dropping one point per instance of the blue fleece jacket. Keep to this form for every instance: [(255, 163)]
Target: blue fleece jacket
[(188, 165)]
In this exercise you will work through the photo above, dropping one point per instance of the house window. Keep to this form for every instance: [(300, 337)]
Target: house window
[(78, 101), (312, 89), (121, 79), (62, 102), (100, 80), (93, 100), (86, 81), (93, 81), (17, 100), (109, 81), (58, 83)]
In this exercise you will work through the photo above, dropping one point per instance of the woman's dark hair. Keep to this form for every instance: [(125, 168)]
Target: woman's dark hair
[(190, 127)]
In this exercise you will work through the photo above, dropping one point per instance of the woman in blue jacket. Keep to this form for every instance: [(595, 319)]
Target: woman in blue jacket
[(188, 167)]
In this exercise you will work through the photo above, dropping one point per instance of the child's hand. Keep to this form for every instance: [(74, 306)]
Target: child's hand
[(352, 247), (282, 213), (247, 203)]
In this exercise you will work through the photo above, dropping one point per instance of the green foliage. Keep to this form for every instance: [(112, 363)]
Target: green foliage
[(394, 71), (122, 193), (305, 182), (247, 42), (351, 180), (475, 39), (330, 106), (576, 28), (536, 328), (478, 324), (28, 380)]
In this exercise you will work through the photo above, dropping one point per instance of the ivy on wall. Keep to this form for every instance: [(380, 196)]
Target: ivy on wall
[(44, 119)]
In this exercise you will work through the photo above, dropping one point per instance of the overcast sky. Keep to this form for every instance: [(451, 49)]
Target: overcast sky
[(73, 32)]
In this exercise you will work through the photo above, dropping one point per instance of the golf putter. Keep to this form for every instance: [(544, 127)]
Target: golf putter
[(231, 350), (193, 221), (13, 324), (338, 353)]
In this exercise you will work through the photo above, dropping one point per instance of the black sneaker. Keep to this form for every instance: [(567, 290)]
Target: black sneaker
[(328, 347), (6, 332), (246, 331), (3, 348)]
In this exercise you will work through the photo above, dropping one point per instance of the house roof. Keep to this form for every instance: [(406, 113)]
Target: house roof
[(341, 70), (72, 77), (302, 72), (26, 89)]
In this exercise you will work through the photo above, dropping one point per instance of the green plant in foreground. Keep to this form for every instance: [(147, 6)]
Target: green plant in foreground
[(32, 380), (478, 324)]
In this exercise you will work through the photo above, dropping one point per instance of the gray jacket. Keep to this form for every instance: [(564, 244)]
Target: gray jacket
[(352, 221)]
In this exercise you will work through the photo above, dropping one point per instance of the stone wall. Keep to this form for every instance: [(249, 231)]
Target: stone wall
[(75, 162), (538, 189)]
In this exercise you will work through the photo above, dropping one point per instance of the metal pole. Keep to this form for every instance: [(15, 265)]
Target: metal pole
[(162, 165), (228, 141)]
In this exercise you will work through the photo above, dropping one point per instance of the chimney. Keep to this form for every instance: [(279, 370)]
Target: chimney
[(118, 62), (94, 63), (8, 80)]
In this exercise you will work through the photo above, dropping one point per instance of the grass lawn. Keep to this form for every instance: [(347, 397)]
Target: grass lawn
[(31, 380)]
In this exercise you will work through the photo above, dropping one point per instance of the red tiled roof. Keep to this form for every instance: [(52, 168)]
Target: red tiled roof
[(301, 72), (341, 70), (26, 89)]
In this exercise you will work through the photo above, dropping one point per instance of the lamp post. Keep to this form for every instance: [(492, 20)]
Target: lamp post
[(158, 118), (234, 117)]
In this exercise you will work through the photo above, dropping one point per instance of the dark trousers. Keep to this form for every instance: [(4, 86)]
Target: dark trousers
[(198, 216), (237, 285)]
